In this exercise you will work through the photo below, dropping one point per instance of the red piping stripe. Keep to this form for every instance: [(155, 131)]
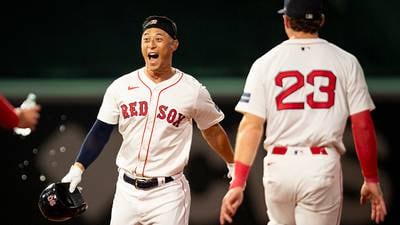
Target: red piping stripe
[(154, 121), (144, 130), (184, 201)]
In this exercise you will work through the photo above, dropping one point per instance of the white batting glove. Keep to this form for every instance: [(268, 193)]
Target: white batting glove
[(74, 176), (231, 170)]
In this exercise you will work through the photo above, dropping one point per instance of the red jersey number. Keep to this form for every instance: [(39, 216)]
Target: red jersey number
[(329, 89)]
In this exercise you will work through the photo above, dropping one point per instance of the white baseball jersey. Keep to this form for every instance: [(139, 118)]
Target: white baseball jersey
[(302, 82), (155, 120)]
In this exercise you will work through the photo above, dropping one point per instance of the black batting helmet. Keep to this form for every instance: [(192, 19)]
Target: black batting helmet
[(57, 204)]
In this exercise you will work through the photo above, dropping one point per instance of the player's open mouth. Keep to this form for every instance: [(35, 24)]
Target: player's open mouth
[(152, 55)]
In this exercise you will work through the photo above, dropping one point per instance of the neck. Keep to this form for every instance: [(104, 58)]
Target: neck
[(159, 76), (301, 35)]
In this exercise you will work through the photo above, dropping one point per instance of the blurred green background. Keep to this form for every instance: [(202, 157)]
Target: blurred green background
[(101, 39)]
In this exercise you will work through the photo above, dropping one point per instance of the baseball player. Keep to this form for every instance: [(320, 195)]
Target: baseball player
[(11, 117), (304, 89), (154, 108)]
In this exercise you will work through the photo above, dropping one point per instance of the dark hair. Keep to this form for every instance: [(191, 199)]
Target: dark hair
[(306, 25)]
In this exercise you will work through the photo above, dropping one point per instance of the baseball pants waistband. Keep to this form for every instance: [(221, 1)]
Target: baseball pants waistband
[(147, 183), (314, 150)]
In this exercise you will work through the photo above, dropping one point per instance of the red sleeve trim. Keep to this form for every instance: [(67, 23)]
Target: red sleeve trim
[(365, 143), (8, 117)]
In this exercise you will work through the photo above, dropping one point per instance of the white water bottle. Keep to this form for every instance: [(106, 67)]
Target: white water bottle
[(29, 102)]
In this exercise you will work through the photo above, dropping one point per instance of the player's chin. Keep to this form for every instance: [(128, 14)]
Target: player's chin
[(153, 66)]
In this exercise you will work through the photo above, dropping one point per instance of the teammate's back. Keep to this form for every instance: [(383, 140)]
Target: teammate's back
[(309, 81)]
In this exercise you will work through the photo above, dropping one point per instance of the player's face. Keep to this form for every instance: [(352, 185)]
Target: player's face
[(157, 50)]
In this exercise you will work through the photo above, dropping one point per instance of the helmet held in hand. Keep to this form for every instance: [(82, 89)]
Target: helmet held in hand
[(56, 203)]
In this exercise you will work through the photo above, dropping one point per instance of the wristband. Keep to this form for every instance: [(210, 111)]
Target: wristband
[(241, 174)]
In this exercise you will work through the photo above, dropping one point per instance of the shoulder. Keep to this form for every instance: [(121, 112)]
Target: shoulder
[(189, 80), (272, 54), (197, 89), (124, 80), (343, 53)]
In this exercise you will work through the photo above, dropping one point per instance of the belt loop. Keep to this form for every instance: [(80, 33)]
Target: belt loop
[(161, 180), (315, 150), (279, 150)]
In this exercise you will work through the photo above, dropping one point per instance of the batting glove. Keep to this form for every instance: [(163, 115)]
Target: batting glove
[(74, 177), (231, 170)]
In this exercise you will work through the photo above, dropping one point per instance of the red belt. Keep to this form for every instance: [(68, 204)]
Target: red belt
[(280, 150)]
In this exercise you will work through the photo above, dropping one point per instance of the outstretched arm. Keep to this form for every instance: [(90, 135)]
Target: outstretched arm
[(8, 116), (247, 141), (11, 117), (218, 140), (91, 148), (366, 148), (94, 142)]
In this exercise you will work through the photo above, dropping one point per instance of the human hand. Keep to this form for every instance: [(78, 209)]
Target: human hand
[(28, 117), (372, 192), (74, 177), (230, 203)]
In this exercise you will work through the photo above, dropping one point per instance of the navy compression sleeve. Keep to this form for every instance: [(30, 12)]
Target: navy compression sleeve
[(94, 142)]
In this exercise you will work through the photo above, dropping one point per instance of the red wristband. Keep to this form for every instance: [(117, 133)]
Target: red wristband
[(241, 174)]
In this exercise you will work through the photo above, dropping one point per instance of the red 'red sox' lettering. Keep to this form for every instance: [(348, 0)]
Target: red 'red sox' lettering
[(141, 109), (171, 117), (162, 109)]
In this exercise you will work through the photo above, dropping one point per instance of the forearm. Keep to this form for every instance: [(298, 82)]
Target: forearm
[(247, 140), (365, 144), (218, 140)]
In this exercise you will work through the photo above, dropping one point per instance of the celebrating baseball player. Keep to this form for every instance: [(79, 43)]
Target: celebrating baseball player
[(304, 89), (154, 108)]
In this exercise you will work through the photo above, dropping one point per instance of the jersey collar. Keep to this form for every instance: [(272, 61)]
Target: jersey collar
[(173, 79), (305, 41)]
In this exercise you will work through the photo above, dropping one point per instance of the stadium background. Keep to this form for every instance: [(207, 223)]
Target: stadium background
[(68, 52)]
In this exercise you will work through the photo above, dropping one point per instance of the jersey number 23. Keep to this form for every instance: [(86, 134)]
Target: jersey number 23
[(329, 89)]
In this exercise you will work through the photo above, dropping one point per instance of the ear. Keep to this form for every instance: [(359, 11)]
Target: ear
[(286, 21), (174, 45)]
